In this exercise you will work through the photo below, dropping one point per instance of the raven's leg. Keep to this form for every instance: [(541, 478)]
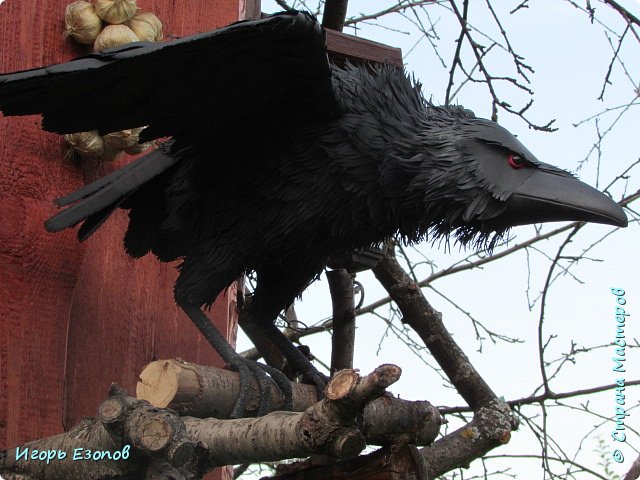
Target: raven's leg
[(276, 289), (246, 368), (295, 357), (199, 284)]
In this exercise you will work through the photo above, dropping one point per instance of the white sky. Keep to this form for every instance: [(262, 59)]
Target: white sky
[(570, 57)]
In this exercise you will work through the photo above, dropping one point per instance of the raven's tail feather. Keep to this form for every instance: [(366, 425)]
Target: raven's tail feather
[(95, 202)]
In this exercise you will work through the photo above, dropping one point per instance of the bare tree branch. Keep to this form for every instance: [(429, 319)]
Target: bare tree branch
[(634, 471), (334, 14), (344, 320), (492, 422), (626, 14), (533, 399), (400, 7)]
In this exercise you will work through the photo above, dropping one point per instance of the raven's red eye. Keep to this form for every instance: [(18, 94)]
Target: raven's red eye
[(515, 161)]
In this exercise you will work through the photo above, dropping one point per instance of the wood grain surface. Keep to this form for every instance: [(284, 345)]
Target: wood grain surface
[(75, 317)]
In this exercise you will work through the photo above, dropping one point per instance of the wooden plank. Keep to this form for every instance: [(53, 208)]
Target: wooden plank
[(75, 317), (38, 271), (342, 45)]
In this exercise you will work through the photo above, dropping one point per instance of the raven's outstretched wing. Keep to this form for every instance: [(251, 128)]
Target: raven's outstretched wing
[(98, 200), (205, 83), (268, 76)]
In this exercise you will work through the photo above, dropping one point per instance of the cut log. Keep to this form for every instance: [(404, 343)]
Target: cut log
[(203, 392)]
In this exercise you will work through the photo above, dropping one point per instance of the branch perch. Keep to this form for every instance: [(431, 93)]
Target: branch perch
[(493, 421), (328, 427), (200, 391), (128, 437), (135, 440)]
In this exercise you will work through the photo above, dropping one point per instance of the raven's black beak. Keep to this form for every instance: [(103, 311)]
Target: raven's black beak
[(552, 195)]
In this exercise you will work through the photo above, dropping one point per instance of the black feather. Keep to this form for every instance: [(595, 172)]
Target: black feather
[(278, 161), (96, 201)]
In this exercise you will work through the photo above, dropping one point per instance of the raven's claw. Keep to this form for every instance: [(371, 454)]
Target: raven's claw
[(319, 380), (248, 370)]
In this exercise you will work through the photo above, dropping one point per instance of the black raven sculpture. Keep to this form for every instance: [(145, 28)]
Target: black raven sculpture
[(279, 160)]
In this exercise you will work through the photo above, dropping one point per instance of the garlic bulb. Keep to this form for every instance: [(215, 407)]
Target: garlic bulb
[(146, 26), (81, 22), (139, 148), (114, 36), (86, 144), (115, 11), (110, 154), (123, 139)]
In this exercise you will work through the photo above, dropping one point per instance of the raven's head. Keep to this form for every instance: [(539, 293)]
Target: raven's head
[(473, 180)]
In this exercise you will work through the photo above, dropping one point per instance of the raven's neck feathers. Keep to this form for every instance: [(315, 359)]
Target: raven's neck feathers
[(413, 147)]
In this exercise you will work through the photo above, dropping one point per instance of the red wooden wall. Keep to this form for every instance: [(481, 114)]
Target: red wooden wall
[(75, 317)]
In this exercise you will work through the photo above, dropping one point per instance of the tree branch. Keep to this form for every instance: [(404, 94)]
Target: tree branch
[(626, 14), (335, 11), (400, 7), (545, 397), (627, 200), (200, 391), (148, 438), (493, 420), (344, 320)]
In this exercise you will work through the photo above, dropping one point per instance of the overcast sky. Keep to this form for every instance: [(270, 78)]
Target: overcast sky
[(570, 57)]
